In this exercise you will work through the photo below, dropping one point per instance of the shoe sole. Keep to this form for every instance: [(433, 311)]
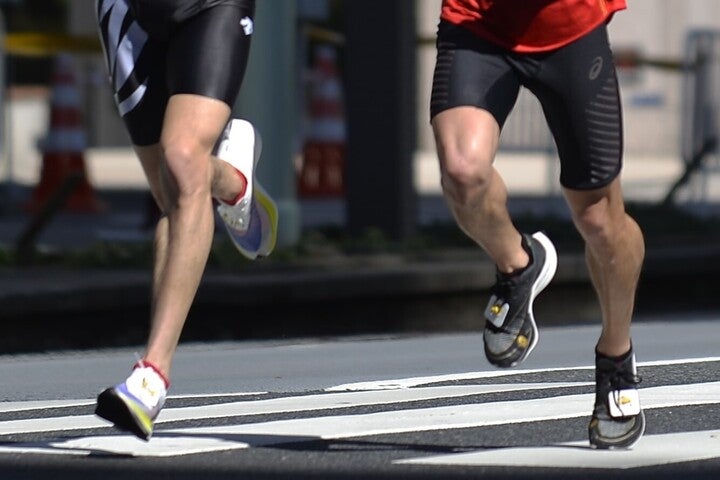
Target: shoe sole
[(112, 407), (546, 275), (266, 207), (264, 211), (269, 208), (602, 444)]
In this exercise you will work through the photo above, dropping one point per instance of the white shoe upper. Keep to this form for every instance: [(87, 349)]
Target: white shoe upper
[(148, 387), (240, 146)]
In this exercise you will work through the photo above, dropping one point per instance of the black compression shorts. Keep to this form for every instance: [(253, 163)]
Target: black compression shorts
[(576, 86), (158, 48)]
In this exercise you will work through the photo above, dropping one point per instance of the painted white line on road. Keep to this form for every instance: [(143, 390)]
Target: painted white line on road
[(215, 395), (651, 450), (6, 407), (30, 405), (125, 445), (279, 405), (461, 416), (679, 361), (205, 439), (391, 384)]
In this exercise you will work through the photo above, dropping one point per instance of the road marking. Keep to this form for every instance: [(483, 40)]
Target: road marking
[(651, 450), (393, 384), (279, 405), (186, 441), (24, 406), (6, 407), (215, 395), (164, 445), (417, 381)]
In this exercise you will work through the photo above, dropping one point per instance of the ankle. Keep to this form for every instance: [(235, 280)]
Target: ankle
[(146, 364), (615, 354), (520, 263), (240, 195)]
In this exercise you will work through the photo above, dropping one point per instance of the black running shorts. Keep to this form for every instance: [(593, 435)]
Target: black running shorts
[(158, 48), (576, 86)]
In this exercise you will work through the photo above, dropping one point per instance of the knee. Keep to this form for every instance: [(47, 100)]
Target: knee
[(605, 230), (186, 169), (466, 174), (180, 155), (592, 220)]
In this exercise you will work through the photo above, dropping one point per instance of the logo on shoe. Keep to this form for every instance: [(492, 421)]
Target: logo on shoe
[(623, 403), (247, 25), (147, 388), (496, 311)]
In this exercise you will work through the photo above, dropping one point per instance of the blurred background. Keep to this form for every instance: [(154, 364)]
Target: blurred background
[(340, 91)]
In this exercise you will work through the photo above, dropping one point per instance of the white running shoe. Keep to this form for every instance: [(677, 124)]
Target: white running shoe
[(253, 220), (240, 146), (134, 404), (260, 237)]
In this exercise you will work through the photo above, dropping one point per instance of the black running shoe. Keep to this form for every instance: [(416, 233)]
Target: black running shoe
[(617, 420), (510, 329)]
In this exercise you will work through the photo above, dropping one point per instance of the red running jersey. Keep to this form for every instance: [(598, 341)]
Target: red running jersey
[(530, 25)]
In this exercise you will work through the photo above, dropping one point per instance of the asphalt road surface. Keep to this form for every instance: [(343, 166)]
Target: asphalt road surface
[(411, 407)]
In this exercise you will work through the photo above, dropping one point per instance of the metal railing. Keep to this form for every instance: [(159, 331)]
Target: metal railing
[(699, 147)]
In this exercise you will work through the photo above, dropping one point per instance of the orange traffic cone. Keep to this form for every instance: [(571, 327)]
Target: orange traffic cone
[(322, 171), (63, 147)]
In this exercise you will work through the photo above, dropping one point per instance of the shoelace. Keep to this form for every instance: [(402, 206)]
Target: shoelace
[(500, 292), (503, 286), (620, 379)]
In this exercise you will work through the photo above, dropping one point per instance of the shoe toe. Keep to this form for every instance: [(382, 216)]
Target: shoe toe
[(606, 432)]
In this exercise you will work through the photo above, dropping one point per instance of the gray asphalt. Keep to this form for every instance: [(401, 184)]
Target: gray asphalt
[(308, 364), (675, 351)]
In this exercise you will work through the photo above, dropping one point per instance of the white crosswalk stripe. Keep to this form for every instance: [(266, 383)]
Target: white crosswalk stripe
[(650, 450), (277, 405), (398, 406)]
